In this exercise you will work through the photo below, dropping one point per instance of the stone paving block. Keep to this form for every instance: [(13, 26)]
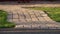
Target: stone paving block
[(10, 13), (14, 12), (32, 16), (41, 19), (37, 12), (20, 13), (34, 19), (22, 20), (41, 12), (43, 15), (16, 20), (31, 13), (26, 13), (28, 17), (43, 27), (10, 16), (28, 20), (27, 26), (22, 17), (48, 19), (15, 16), (52, 25), (35, 26), (37, 15), (10, 20), (36, 22), (19, 26)]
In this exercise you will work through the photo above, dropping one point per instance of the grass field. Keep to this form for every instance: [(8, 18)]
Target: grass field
[(53, 12), (3, 20)]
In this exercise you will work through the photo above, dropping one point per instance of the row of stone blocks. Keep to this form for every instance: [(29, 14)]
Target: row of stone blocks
[(35, 27)]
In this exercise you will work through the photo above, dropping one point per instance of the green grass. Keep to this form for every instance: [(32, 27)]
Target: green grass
[(3, 20), (53, 12)]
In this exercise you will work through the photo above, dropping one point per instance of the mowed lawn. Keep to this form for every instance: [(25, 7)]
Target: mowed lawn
[(53, 12)]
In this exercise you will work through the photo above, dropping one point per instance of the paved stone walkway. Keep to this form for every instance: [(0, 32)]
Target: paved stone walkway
[(29, 19), (24, 18)]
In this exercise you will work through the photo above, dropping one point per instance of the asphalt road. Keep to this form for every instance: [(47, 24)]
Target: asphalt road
[(31, 32)]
